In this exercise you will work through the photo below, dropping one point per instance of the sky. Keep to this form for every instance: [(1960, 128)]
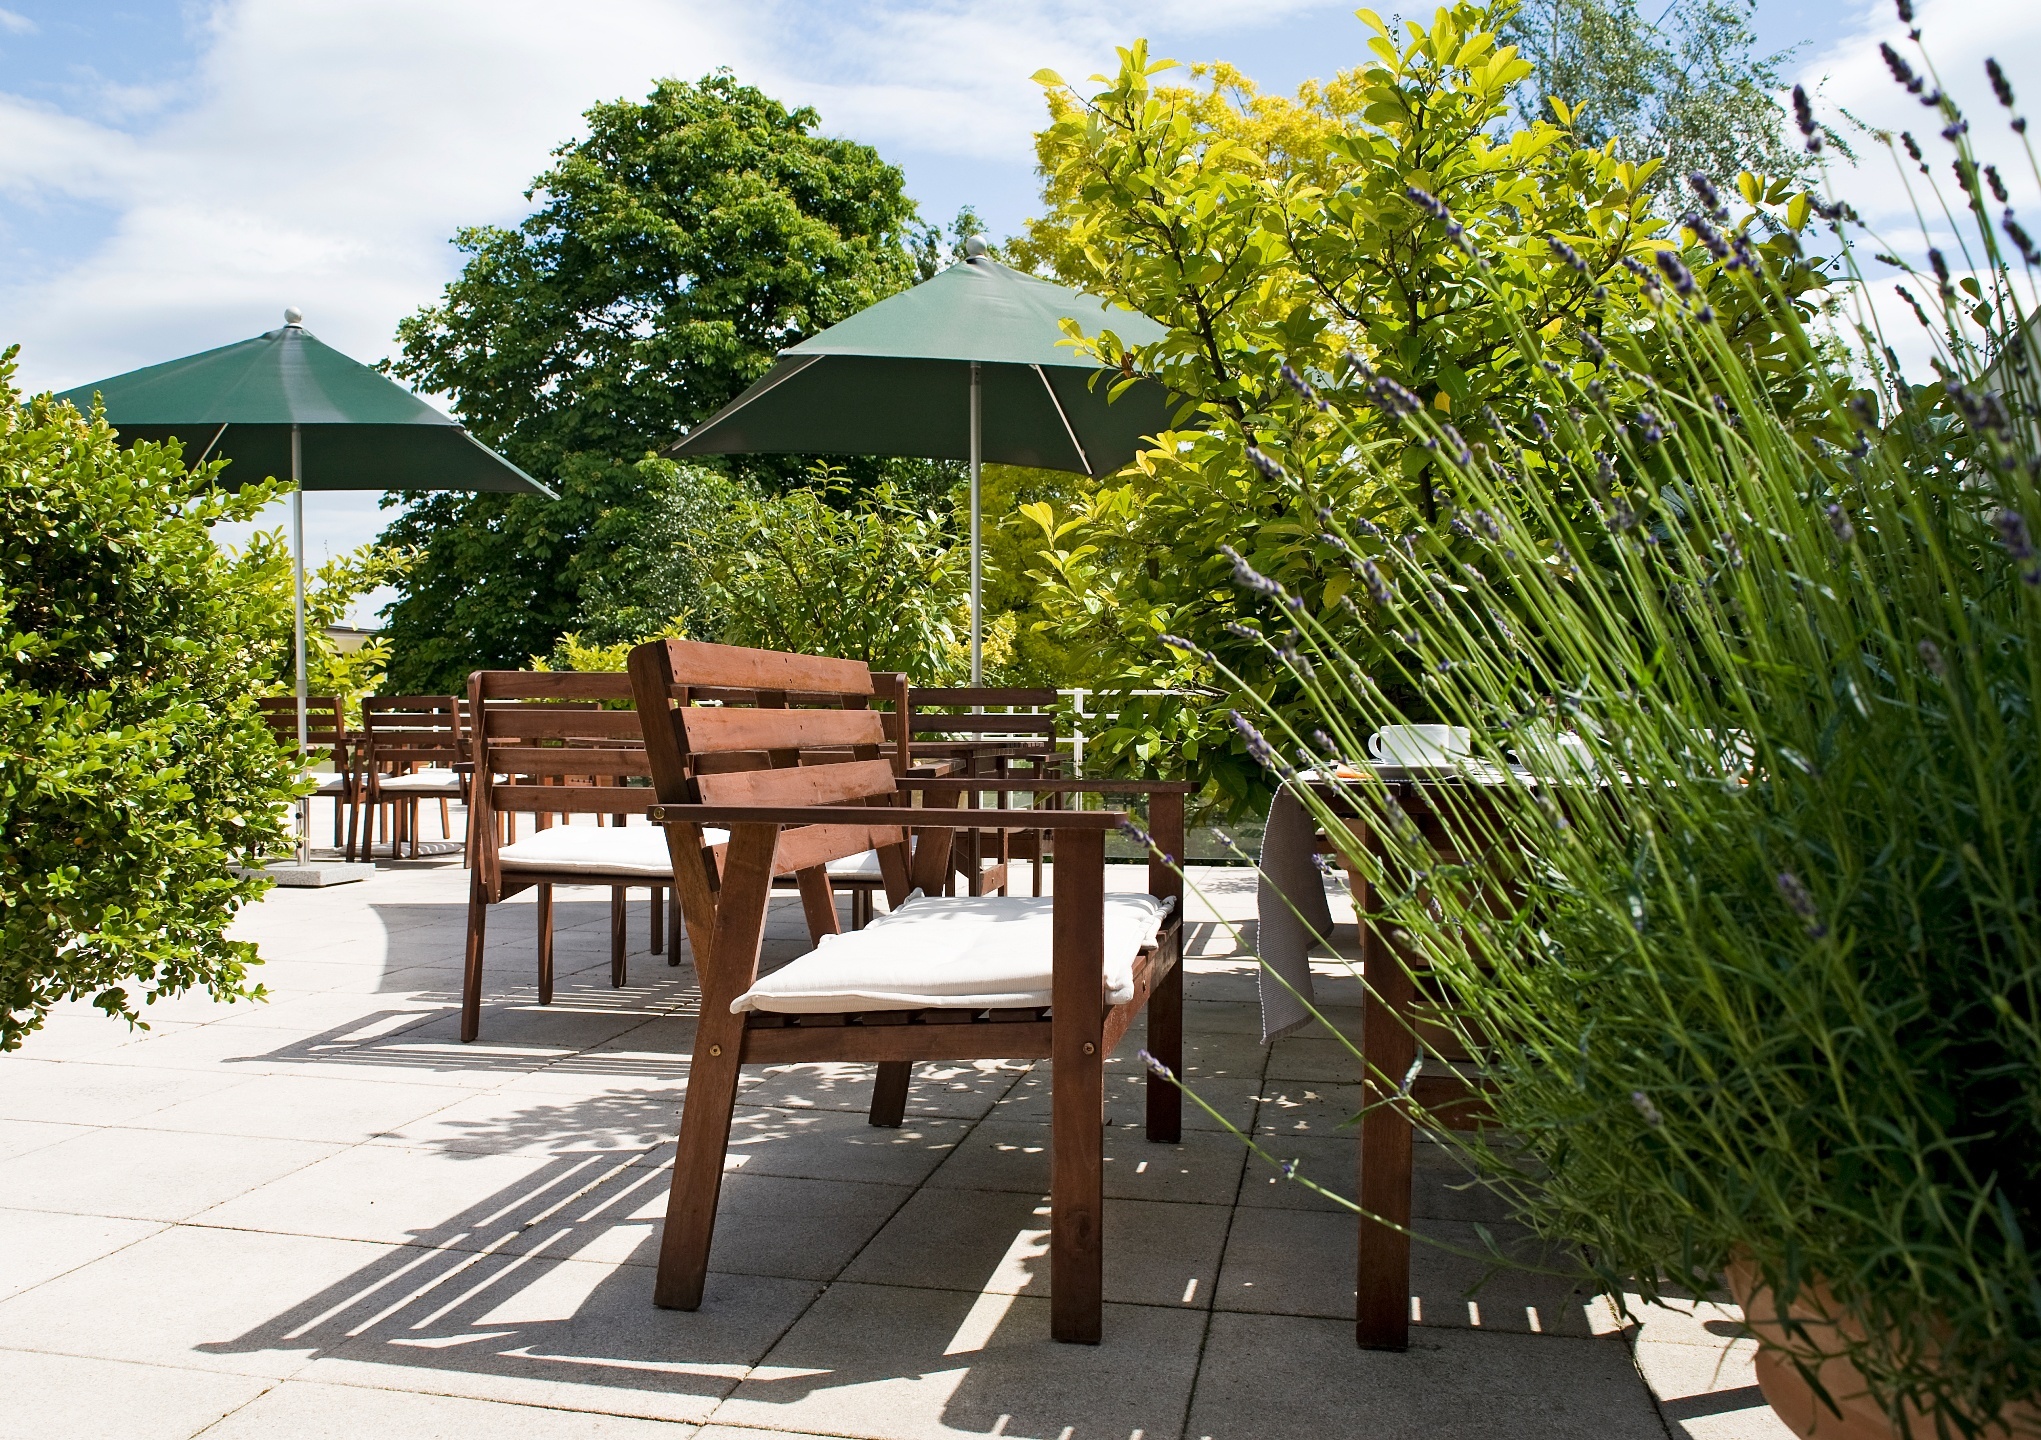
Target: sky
[(174, 173)]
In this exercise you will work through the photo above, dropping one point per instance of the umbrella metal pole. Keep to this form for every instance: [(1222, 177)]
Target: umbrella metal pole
[(977, 565), (298, 611)]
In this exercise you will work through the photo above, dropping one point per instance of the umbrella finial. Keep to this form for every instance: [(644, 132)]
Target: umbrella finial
[(974, 248), (292, 315)]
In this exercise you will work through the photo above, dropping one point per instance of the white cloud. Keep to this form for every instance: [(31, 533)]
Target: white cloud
[(1850, 77), (17, 24), (322, 155)]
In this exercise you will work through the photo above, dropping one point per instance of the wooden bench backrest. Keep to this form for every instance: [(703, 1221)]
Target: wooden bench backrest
[(981, 710), (731, 679), (325, 720), (775, 719), (402, 729), (540, 730)]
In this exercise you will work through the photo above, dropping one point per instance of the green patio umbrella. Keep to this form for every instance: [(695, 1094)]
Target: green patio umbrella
[(286, 404), (968, 365)]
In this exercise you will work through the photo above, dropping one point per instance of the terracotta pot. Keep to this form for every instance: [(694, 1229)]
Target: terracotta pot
[(1822, 1329)]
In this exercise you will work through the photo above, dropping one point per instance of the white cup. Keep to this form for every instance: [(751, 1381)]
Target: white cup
[(1419, 745)]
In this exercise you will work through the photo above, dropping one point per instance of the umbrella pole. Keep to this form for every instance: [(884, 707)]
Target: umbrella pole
[(977, 559), (298, 610)]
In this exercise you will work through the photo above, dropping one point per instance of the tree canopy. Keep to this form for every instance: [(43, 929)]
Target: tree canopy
[(1687, 86), (672, 253)]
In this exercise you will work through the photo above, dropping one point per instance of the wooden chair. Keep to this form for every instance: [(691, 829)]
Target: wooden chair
[(325, 730), (1001, 733), (882, 995), (411, 745), (552, 745)]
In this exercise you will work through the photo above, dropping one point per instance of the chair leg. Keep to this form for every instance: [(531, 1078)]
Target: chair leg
[(545, 909), (673, 924), (656, 918), (471, 977), (889, 1093), (1077, 1100), (617, 960), (698, 1161), (446, 820)]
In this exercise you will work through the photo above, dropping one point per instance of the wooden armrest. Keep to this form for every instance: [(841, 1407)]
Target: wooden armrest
[(913, 819), (961, 784)]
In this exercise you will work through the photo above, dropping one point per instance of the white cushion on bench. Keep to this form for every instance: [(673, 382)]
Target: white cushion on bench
[(431, 780), (638, 850), (862, 866), (982, 952)]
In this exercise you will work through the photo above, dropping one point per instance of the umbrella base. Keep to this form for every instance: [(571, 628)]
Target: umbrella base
[(315, 874)]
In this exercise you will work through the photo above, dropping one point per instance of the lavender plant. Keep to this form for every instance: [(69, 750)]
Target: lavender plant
[(1762, 978)]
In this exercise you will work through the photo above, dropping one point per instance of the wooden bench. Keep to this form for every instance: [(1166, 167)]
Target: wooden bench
[(410, 746), (325, 730), (1001, 733), (826, 793), (553, 745)]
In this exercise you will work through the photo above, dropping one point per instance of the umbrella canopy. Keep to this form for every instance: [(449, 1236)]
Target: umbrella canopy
[(895, 379), (284, 404), (359, 430)]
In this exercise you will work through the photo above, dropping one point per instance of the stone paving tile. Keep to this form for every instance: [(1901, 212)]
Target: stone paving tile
[(41, 1246), (528, 1122), (148, 1174), (1302, 1262), (961, 1089), (79, 1093), (76, 1398), (396, 1196), (192, 1297), (982, 1241), (308, 1107), (305, 1410), (891, 1363), (18, 1137), (765, 1224), (1008, 1155), (831, 1145), (1441, 1189), (1265, 1376), (558, 1333)]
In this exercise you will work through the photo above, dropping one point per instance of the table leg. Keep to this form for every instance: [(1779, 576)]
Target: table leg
[(1382, 1281)]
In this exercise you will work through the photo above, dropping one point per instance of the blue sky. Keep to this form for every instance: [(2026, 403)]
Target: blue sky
[(173, 173)]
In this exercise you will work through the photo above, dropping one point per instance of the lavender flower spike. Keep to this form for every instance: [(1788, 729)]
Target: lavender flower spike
[(1246, 576), (1156, 1067), (1262, 462)]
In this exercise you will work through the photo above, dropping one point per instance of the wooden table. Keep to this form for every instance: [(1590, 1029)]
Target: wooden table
[(1389, 1021)]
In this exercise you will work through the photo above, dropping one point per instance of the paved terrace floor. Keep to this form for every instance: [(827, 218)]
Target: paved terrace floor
[(323, 1216)]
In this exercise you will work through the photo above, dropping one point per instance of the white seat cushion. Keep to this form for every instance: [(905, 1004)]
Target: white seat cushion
[(983, 952), (862, 866), (431, 780), (638, 850)]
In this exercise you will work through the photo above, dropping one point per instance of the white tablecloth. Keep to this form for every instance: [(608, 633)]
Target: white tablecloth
[(1291, 905)]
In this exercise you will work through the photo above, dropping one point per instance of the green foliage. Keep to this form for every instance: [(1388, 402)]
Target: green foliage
[(1266, 231), (674, 251), (1686, 88), (134, 762), (260, 573), (878, 582), (822, 569), (1759, 970)]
